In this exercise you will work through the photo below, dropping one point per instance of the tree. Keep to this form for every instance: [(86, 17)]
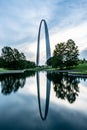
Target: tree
[(8, 54), (55, 62), (1, 62), (72, 54), (49, 61), (64, 55), (18, 55), (13, 59)]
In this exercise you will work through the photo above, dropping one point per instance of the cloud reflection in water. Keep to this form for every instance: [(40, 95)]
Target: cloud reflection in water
[(21, 109)]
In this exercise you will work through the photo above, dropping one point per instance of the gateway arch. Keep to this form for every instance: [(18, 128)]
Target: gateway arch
[(48, 53)]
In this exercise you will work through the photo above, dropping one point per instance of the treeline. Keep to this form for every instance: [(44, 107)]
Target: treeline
[(82, 61), (13, 59), (65, 55)]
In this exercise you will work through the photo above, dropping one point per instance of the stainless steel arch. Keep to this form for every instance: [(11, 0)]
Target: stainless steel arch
[(48, 53), (48, 85)]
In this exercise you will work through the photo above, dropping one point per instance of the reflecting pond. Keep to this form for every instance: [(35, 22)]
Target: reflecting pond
[(43, 101)]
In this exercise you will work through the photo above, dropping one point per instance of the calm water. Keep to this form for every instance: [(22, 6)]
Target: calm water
[(43, 101)]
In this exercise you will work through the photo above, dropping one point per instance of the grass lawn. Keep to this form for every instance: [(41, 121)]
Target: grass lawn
[(79, 69), (2, 70), (82, 68)]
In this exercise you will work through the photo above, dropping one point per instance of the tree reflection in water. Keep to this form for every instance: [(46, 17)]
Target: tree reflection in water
[(12, 82), (66, 87)]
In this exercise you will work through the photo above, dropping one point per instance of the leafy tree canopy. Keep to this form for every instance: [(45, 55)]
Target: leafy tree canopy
[(64, 55), (13, 59), (8, 54)]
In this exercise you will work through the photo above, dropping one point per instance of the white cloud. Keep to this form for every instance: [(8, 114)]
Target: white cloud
[(77, 33), (19, 23)]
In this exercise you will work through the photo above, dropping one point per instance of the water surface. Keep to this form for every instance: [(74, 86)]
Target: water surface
[(42, 101)]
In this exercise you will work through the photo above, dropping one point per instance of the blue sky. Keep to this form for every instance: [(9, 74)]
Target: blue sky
[(20, 19)]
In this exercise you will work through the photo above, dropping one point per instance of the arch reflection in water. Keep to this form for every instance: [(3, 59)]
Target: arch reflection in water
[(48, 85)]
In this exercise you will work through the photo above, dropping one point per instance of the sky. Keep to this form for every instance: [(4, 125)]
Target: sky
[(20, 19)]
